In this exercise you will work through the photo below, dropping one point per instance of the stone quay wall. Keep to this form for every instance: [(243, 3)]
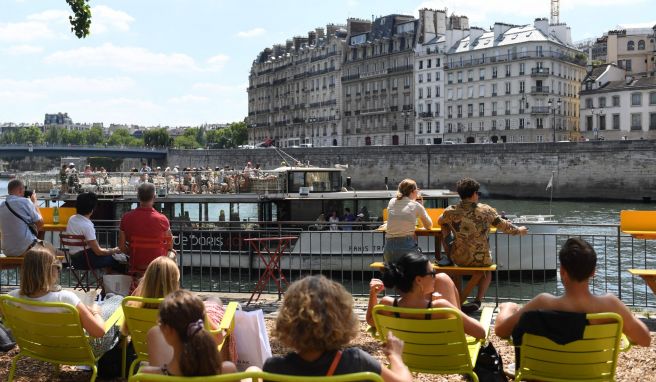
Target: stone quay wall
[(604, 170)]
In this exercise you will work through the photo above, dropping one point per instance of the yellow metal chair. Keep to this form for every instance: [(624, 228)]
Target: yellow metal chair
[(639, 224), (255, 375), (435, 346), (140, 317), (54, 335), (593, 358)]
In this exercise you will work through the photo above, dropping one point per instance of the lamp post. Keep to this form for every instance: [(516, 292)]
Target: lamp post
[(553, 113), (405, 115)]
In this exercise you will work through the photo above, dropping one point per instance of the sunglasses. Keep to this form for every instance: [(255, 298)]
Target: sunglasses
[(431, 273)]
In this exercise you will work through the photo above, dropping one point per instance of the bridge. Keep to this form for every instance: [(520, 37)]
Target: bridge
[(22, 151)]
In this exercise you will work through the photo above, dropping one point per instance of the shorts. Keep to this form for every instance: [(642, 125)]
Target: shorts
[(399, 246)]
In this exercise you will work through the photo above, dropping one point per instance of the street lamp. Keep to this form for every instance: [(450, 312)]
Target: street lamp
[(405, 115), (553, 112)]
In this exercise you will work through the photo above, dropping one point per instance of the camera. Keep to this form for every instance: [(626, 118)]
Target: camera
[(28, 193)]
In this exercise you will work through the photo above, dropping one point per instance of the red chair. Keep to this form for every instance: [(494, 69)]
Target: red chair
[(137, 264), (81, 275)]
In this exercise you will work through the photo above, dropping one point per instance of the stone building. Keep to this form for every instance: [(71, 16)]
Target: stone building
[(437, 33), (632, 49), (294, 91), (616, 106), (500, 84)]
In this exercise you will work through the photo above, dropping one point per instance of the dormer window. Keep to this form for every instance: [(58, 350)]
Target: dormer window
[(630, 45)]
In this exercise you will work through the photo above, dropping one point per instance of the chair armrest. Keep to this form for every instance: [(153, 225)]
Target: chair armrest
[(115, 319), (486, 319), (228, 320), (625, 343)]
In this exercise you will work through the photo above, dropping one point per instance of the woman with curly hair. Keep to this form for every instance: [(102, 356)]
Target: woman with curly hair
[(317, 320), (414, 278)]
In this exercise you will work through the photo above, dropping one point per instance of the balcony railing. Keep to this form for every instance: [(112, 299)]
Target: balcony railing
[(426, 114), (539, 72), (539, 90), (540, 109)]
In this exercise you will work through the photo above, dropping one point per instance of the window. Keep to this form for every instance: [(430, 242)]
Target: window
[(602, 101), (630, 45), (428, 63), (494, 108), (421, 64), (494, 72), (494, 90), (450, 78), (421, 93), (636, 99), (627, 65), (481, 74), (522, 86), (616, 121), (459, 77), (421, 78), (602, 122), (652, 98), (428, 92), (428, 127), (459, 90), (449, 112), (522, 69), (459, 107), (428, 76), (636, 121), (507, 87), (641, 45), (481, 109), (539, 125), (470, 75), (421, 128), (470, 110), (521, 123), (437, 91), (481, 90), (507, 105), (616, 101), (470, 92), (494, 124), (588, 123), (652, 121), (588, 103), (507, 124), (449, 94), (507, 70), (539, 138)]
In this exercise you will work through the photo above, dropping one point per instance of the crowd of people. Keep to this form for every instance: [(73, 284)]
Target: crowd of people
[(316, 319)]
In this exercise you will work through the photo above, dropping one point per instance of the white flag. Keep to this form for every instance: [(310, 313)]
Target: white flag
[(550, 184)]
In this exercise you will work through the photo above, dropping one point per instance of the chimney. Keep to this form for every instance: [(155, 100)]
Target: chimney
[(500, 28), (542, 24), (312, 38), (474, 33), (319, 33)]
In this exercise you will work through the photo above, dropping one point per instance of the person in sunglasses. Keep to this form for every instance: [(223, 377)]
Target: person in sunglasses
[(414, 279), (466, 227)]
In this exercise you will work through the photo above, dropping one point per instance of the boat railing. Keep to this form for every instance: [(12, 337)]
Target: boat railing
[(117, 184), (214, 257)]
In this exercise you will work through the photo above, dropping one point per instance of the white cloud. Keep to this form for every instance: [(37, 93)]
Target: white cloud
[(251, 33), (126, 58), (20, 90), (113, 110), (647, 24), (19, 50), (50, 15), (210, 87), (217, 62), (25, 31), (188, 99), (105, 18)]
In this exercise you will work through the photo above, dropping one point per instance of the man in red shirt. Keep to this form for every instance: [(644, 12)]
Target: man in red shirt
[(144, 221)]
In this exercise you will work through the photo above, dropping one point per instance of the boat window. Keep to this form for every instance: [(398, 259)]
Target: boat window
[(318, 181), (373, 208), (296, 181)]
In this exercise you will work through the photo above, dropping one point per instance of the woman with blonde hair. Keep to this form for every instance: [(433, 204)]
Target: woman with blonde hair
[(181, 317), (402, 213), (317, 320), (39, 282)]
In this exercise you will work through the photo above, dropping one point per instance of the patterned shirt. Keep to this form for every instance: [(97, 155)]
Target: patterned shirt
[(470, 224)]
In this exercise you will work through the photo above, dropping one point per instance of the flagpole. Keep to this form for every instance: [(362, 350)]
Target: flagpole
[(551, 197)]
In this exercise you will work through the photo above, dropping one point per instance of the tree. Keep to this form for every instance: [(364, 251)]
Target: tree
[(186, 142), (157, 138), (81, 19), (94, 136), (122, 137)]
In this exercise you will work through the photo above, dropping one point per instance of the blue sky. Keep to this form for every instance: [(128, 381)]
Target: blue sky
[(180, 63)]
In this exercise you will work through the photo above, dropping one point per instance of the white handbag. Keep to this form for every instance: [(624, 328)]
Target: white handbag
[(250, 333)]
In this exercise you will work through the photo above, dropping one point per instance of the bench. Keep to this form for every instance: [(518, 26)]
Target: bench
[(649, 275), (475, 273), (639, 224)]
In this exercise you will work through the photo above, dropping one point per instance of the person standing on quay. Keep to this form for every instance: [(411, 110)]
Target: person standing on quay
[(402, 213), (469, 224)]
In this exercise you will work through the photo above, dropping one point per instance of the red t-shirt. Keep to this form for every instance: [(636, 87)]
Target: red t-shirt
[(145, 221)]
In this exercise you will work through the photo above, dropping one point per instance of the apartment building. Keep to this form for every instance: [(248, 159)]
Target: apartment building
[(616, 106), (632, 49), (514, 84), (294, 91)]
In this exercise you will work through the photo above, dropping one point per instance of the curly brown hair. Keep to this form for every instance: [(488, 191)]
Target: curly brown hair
[(316, 314)]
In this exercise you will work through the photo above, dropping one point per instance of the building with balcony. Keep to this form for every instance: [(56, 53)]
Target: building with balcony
[(437, 33), (294, 92), (500, 82), (632, 49), (616, 106)]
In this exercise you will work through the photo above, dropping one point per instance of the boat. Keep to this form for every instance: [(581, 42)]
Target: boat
[(213, 211)]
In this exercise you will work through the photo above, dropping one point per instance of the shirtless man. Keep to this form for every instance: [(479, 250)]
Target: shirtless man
[(577, 264)]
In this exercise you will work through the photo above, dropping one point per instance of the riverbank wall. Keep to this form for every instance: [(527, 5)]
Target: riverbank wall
[(600, 170)]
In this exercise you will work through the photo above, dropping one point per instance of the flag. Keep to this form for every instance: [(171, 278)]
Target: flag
[(550, 184)]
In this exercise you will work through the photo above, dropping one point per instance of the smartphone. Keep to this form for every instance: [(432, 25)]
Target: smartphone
[(28, 193)]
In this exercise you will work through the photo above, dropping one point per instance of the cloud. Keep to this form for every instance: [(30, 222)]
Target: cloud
[(112, 110), (217, 62), (210, 87), (20, 90), (50, 15), (25, 31), (105, 18), (19, 50), (187, 99), (255, 32), (647, 24)]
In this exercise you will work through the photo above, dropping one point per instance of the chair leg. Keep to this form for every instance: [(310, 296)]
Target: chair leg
[(133, 365), (473, 376), (124, 355), (12, 370), (94, 372)]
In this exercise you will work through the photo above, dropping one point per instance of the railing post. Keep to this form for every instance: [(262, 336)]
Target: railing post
[(619, 263)]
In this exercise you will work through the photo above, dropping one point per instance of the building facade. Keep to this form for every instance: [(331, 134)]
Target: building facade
[(514, 84), (294, 91), (632, 49), (615, 106)]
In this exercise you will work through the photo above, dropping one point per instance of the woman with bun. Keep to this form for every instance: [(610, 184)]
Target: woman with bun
[(415, 280), (403, 211)]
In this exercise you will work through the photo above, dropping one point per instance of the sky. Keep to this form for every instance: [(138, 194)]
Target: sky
[(186, 62)]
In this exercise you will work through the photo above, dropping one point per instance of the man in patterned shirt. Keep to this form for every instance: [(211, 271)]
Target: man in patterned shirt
[(469, 223)]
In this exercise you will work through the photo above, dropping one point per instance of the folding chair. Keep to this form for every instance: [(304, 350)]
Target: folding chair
[(81, 275), (436, 345), (258, 375), (593, 358), (50, 332), (157, 246)]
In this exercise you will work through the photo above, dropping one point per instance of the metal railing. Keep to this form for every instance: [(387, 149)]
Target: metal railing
[(214, 257)]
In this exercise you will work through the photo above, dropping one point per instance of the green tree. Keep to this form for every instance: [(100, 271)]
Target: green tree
[(54, 135), (122, 137), (157, 138), (94, 136), (33, 134), (239, 133), (81, 19), (186, 141)]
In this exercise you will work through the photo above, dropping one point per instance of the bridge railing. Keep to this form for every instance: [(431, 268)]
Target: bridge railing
[(214, 257), (166, 182)]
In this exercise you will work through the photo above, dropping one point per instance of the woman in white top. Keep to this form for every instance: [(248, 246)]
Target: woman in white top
[(402, 214)]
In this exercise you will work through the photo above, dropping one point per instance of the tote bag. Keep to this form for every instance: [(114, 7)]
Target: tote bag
[(250, 333)]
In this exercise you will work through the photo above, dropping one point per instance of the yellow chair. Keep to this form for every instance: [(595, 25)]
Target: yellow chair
[(433, 213), (55, 336), (593, 358), (435, 346), (639, 224), (363, 376), (140, 319)]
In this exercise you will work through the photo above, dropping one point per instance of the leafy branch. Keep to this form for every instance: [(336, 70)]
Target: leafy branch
[(81, 19)]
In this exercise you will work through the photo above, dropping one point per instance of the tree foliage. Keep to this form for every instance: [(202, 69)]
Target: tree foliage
[(81, 19), (157, 138), (232, 136)]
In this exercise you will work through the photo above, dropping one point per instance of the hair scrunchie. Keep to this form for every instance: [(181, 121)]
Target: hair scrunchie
[(194, 327)]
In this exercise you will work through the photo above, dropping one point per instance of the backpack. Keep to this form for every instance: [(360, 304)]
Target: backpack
[(489, 365), (6, 340)]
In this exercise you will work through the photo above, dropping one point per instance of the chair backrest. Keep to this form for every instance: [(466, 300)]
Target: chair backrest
[(69, 240), (65, 213), (593, 358), (50, 331), (637, 221), (436, 346), (363, 376), (46, 214), (139, 318), (154, 246)]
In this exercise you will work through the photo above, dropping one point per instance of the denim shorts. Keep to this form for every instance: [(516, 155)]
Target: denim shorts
[(399, 246)]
